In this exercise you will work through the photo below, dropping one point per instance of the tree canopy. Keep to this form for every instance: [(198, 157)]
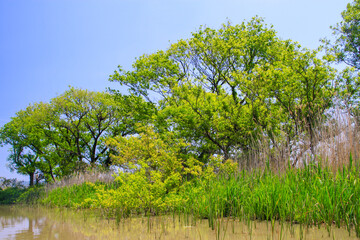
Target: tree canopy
[(223, 89), (347, 33), (66, 135), (345, 49)]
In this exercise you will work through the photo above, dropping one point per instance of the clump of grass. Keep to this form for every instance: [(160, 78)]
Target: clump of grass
[(71, 196)]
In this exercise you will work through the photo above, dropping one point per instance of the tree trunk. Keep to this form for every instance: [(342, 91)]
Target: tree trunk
[(31, 175), (312, 137)]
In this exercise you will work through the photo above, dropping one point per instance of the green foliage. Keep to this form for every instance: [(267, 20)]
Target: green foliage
[(311, 196), (31, 195), (158, 156), (10, 195), (13, 191), (151, 166), (71, 196), (347, 32), (193, 108), (23, 133), (10, 183), (84, 120), (222, 90), (220, 93), (345, 49), (55, 139)]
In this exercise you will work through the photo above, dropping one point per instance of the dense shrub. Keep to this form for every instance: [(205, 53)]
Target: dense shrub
[(31, 195), (10, 195)]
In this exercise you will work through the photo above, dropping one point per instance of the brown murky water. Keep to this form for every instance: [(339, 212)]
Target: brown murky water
[(41, 223)]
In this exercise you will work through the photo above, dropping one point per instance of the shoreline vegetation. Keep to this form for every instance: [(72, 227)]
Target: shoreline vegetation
[(230, 123), (313, 195)]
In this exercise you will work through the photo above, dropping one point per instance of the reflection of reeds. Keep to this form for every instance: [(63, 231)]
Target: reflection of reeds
[(43, 223)]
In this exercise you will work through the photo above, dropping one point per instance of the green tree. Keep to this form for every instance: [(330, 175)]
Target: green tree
[(222, 90), (87, 118), (347, 33), (346, 49), (157, 157), (302, 86), (68, 134), (25, 137), (195, 79)]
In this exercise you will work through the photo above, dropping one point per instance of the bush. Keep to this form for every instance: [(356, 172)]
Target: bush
[(10, 194), (31, 195)]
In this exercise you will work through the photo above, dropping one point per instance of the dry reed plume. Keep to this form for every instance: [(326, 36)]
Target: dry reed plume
[(335, 139), (78, 178)]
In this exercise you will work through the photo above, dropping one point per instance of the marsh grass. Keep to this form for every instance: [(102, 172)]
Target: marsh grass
[(312, 195)]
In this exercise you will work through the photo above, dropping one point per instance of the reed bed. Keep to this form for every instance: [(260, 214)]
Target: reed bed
[(93, 175), (335, 138), (311, 195)]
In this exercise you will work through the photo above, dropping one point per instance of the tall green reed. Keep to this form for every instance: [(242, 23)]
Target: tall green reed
[(312, 195)]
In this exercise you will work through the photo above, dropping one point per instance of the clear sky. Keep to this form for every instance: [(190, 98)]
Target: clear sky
[(47, 45)]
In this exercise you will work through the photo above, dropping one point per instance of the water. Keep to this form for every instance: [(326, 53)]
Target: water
[(42, 223)]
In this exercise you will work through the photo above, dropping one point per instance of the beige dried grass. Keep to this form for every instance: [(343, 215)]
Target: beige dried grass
[(77, 178), (335, 139)]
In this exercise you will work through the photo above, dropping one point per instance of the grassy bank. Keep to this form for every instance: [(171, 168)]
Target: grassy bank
[(312, 195)]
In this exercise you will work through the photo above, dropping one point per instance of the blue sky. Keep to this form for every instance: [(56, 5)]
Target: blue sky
[(47, 45)]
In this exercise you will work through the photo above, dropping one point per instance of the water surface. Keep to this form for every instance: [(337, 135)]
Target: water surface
[(42, 223)]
